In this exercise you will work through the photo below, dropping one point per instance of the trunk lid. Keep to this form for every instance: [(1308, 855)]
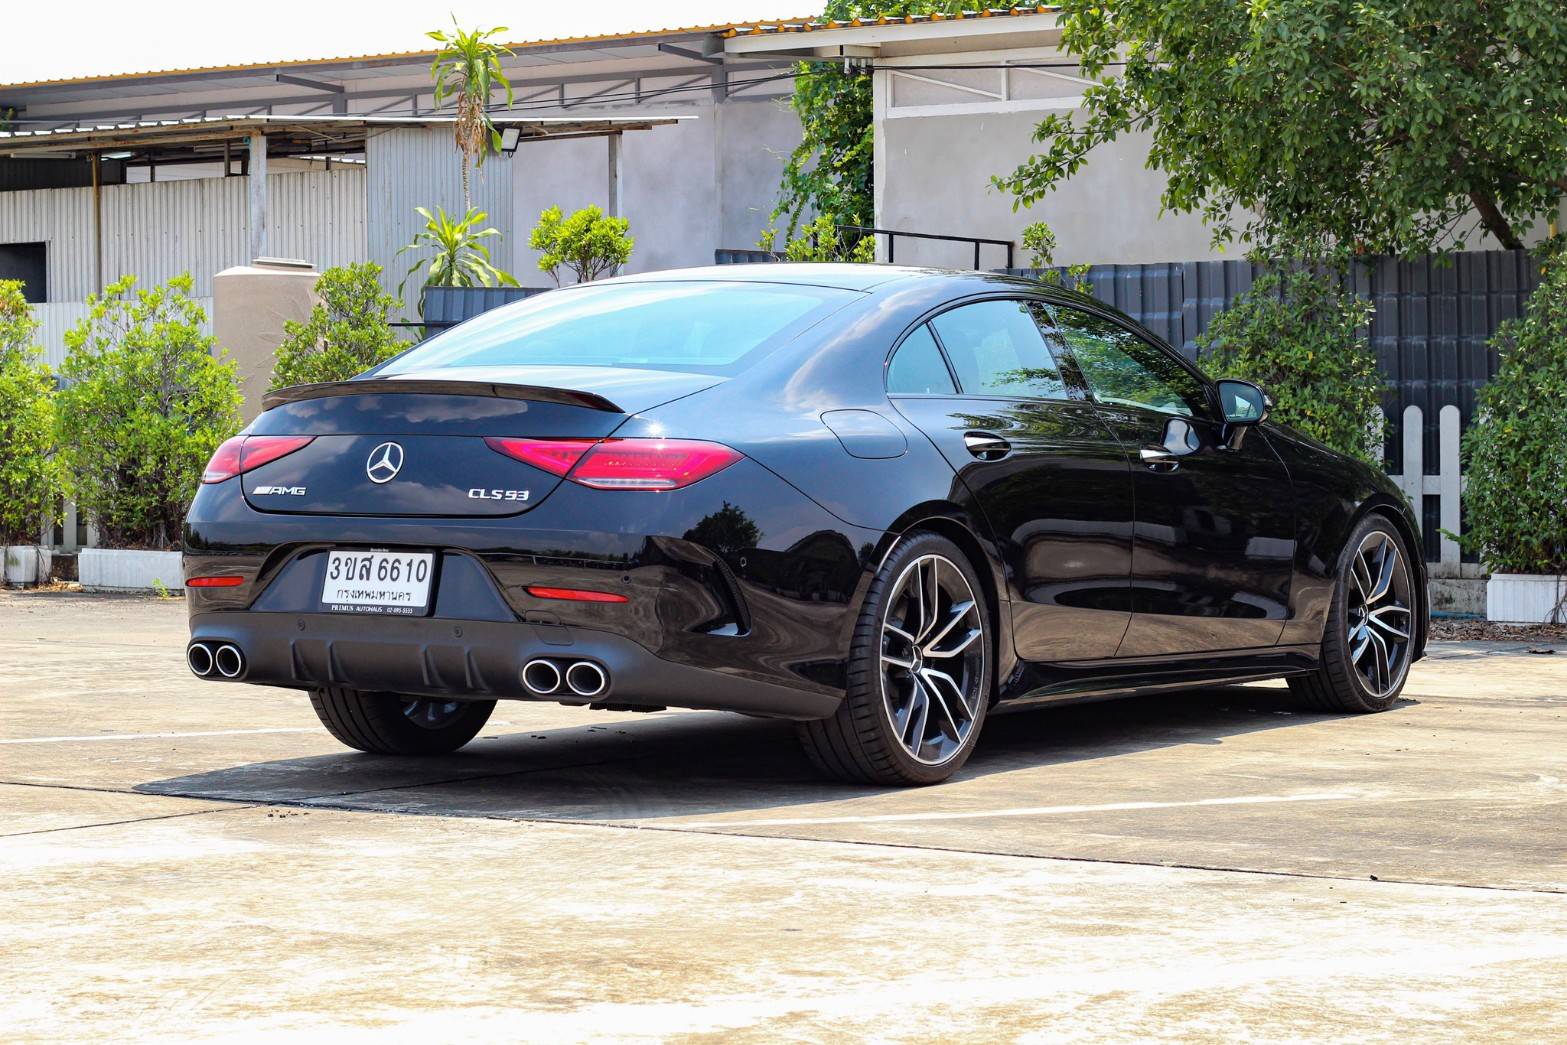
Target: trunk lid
[(414, 444)]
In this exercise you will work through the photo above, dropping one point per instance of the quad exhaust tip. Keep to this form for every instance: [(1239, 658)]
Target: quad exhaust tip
[(586, 679), (229, 661), (541, 676), (199, 657), (546, 678)]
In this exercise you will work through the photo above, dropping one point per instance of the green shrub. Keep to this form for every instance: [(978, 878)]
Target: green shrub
[(1039, 239), (1514, 455), (588, 243), (347, 333), (820, 240), (1295, 333), (29, 472), (145, 404)]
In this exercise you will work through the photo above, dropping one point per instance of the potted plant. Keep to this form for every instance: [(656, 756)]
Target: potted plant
[(348, 331), (29, 474), (146, 401), (1515, 460)]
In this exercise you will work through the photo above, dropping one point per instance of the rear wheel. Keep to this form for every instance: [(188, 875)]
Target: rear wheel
[(919, 673), (1368, 641), (392, 724)]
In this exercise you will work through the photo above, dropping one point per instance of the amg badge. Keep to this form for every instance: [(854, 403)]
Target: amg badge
[(291, 491)]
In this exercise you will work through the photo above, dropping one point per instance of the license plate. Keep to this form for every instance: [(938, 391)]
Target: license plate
[(377, 582)]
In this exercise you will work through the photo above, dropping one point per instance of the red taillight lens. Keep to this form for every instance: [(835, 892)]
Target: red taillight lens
[(555, 456), (214, 582), (622, 464), (244, 452), (575, 594)]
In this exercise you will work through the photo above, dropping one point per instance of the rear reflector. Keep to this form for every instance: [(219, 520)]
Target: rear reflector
[(244, 452), (214, 582), (575, 595), (622, 464)]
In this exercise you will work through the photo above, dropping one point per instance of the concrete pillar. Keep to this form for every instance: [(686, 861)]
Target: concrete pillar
[(250, 304), (258, 196), (614, 174)]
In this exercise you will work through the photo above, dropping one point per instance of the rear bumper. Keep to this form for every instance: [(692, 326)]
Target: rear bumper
[(479, 660)]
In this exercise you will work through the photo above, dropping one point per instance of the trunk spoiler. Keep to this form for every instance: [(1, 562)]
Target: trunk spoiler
[(427, 386)]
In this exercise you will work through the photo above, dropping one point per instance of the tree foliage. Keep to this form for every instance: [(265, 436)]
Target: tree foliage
[(1295, 332), (29, 472), (347, 332), (1514, 455), (588, 243), (1374, 126), (831, 172), (468, 67), (460, 256), (145, 403)]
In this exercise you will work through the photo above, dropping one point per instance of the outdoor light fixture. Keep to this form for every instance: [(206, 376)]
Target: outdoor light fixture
[(118, 155), (510, 136)]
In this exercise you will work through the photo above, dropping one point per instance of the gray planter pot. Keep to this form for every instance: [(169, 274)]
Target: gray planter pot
[(26, 564)]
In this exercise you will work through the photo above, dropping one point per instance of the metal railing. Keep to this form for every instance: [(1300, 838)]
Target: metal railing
[(754, 255)]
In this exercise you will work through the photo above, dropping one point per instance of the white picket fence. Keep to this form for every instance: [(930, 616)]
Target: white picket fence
[(1447, 484)]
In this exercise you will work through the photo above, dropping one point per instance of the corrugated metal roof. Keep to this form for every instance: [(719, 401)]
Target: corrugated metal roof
[(724, 28), (806, 25)]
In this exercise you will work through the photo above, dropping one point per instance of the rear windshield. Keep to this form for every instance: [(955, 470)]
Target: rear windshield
[(706, 327)]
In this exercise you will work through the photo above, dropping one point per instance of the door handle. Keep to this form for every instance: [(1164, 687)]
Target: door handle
[(985, 446), (1158, 459)]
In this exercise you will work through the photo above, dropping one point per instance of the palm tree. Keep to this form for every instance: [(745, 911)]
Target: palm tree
[(468, 66), (461, 257)]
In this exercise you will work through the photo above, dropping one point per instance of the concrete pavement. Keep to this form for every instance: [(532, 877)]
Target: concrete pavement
[(187, 859)]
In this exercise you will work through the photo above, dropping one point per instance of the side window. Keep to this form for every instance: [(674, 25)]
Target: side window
[(1122, 368), (997, 349), (917, 367)]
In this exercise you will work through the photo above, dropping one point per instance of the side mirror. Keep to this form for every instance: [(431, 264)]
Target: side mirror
[(1243, 403)]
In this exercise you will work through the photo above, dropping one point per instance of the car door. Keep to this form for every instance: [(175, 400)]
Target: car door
[(1214, 542), (1049, 478)]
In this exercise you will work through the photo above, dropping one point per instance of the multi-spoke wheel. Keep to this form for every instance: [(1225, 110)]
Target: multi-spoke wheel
[(389, 724), (1369, 639), (919, 672)]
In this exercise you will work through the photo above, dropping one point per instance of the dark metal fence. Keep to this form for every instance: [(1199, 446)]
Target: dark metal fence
[(447, 306), (1434, 317)]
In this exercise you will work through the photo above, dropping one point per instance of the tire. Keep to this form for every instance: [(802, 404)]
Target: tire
[(390, 724), (879, 734), (1364, 663)]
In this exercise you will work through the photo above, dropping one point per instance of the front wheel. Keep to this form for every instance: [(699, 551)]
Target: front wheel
[(919, 674), (1369, 639), (392, 724)]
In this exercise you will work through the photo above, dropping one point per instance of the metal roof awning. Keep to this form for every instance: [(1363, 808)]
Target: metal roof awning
[(288, 135)]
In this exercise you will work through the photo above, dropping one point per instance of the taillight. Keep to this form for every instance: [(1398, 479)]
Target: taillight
[(244, 452), (574, 594), (215, 582), (623, 464)]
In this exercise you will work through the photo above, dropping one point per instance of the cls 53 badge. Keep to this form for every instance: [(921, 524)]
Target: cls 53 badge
[(498, 495)]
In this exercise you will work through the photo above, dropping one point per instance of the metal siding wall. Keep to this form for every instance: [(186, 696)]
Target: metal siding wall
[(421, 168), (159, 230)]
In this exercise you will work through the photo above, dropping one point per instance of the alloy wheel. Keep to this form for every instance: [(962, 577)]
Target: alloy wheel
[(1379, 616), (431, 714), (932, 659)]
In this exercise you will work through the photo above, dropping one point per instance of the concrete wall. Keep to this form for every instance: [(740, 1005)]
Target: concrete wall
[(938, 145), (686, 188)]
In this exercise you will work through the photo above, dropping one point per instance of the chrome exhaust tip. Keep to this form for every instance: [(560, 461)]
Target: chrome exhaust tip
[(229, 661), (586, 679), (199, 657), (541, 676)]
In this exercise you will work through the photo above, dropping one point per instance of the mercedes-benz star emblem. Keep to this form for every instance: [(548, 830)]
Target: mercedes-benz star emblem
[(385, 462)]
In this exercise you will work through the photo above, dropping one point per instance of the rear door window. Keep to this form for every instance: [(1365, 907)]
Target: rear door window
[(917, 367), (997, 350)]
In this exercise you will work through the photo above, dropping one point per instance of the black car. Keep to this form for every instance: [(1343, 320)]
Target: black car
[(877, 501)]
